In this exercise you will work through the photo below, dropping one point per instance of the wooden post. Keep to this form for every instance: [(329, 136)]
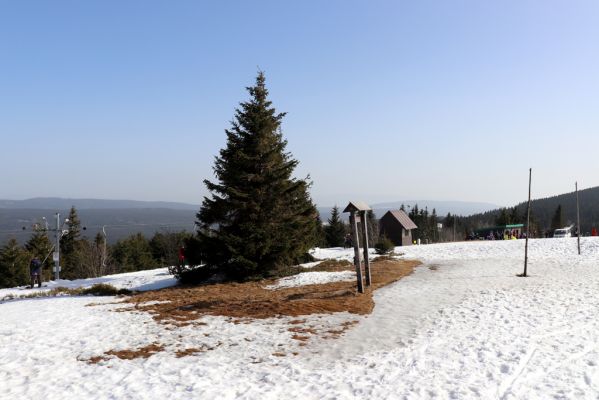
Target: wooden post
[(578, 217), (527, 224), (354, 228), (365, 245)]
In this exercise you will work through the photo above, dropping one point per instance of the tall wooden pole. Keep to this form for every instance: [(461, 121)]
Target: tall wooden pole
[(527, 224), (578, 217), (354, 228), (365, 244)]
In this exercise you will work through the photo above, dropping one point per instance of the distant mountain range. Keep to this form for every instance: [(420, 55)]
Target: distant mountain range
[(56, 203), (122, 218)]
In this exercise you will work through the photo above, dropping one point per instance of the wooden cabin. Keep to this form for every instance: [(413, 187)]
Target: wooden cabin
[(397, 226)]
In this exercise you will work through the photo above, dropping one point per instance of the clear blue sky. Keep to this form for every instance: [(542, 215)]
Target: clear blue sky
[(444, 100)]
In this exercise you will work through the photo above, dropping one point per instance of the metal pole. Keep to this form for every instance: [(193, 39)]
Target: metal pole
[(57, 260), (104, 252), (578, 217), (354, 228), (527, 224)]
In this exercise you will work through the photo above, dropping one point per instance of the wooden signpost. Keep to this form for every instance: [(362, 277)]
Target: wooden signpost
[(359, 208)]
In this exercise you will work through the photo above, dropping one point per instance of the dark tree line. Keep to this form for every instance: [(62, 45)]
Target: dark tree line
[(84, 258)]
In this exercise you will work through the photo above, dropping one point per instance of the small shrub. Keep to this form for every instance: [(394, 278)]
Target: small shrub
[(195, 275), (333, 265), (103, 289), (384, 245)]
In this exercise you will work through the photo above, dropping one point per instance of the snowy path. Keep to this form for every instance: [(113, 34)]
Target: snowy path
[(467, 328)]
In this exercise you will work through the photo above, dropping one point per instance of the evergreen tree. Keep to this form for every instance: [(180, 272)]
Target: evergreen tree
[(133, 254), (67, 242), (449, 220), (40, 246), (71, 248), (558, 218), (515, 217), (335, 230), (373, 228), (14, 265), (503, 218), (320, 236), (258, 219), (433, 224), (165, 247)]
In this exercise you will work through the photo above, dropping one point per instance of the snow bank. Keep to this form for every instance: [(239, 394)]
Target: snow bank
[(139, 281), (313, 278)]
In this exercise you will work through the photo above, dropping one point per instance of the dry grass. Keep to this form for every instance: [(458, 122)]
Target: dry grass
[(143, 352), (181, 305), (243, 302)]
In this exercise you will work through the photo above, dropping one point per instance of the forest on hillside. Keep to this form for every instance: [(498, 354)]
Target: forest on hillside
[(547, 214)]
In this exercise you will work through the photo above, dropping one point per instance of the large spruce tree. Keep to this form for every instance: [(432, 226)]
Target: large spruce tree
[(258, 218)]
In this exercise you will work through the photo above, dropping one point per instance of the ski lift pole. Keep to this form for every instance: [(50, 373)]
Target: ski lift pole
[(58, 233), (527, 225), (577, 217)]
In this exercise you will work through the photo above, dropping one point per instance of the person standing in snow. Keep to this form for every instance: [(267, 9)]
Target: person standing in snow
[(348, 242), (182, 256), (35, 271)]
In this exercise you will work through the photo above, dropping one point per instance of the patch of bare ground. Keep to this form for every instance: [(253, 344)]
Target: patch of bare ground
[(244, 302), (250, 300), (194, 350), (143, 352)]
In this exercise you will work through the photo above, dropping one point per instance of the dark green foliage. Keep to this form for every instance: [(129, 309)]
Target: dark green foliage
[(40, 246), (71, 248), (190, 271), (14, 265), (165, 246), (320, 235), (508, 216), (335, 231), (558, 218), (384, 245), (426, 230), (373, 228), (133, 254), (68, 241), (543, 212), (258, 219), (103, 289), (192, 276)]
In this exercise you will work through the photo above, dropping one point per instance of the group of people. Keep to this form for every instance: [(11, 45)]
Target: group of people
[(507, 235)]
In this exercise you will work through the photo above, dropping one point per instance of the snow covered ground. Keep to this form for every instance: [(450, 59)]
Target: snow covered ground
[(140, 281), (461, 326)]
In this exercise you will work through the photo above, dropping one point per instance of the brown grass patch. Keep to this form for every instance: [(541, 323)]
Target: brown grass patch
[(250, 300), (143, 352), (300, 338), (332, 266)]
